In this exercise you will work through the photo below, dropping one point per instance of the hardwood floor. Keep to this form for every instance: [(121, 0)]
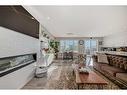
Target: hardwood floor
[(60, 76)]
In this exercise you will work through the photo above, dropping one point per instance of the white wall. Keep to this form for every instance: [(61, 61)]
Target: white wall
[(13, 43), (116, 40), (19, 78)]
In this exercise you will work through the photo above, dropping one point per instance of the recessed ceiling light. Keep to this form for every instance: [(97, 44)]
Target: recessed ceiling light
[(48, 18)]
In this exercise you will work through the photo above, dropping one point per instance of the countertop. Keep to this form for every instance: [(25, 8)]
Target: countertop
[(113, 53)]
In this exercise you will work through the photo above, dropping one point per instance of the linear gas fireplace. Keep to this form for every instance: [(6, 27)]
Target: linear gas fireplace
[(11, 64)]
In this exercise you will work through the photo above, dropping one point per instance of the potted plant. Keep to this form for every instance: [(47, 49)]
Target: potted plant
[(55, 46)]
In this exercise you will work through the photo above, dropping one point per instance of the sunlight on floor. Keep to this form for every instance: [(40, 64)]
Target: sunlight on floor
[(89, 61)]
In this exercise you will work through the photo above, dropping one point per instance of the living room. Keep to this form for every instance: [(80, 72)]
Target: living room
[(63, 47), (74, 45)]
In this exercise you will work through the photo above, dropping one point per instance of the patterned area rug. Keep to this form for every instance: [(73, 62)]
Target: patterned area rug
[(60, 76)]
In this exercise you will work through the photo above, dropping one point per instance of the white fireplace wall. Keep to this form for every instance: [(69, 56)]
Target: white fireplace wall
[(17, 79), (13, 43)]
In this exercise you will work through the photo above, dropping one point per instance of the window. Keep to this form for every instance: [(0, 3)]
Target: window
[(90, 46), (69, 45)]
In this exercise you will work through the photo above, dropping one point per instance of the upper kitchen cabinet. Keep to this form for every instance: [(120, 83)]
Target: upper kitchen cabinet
[(18, 19)]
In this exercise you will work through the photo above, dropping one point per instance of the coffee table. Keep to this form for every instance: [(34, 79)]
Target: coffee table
[(92, 78)]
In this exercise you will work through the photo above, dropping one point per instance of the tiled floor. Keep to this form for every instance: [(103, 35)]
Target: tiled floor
[(60, 76)]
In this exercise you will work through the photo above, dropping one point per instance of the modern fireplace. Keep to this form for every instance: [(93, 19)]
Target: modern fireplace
[(11, 64)]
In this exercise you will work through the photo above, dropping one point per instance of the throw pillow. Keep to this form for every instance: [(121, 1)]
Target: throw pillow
[(102, 58)]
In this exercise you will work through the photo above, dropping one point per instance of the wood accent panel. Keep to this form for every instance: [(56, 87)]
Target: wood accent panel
[(18, 19)]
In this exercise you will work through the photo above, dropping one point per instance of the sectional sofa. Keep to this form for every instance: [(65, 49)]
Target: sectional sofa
[(115, 70)]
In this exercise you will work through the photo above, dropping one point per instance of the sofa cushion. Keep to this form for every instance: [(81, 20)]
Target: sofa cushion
[(118, 61), (111, 70), (102, 58), (99, 65), (122, 76)]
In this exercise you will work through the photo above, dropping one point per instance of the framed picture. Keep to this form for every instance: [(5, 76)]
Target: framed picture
[(81, 42)]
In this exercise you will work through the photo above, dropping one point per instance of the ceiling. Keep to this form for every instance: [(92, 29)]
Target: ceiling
[(81, 21)]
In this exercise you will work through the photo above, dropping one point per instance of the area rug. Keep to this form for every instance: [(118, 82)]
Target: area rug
[(60, 76)]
